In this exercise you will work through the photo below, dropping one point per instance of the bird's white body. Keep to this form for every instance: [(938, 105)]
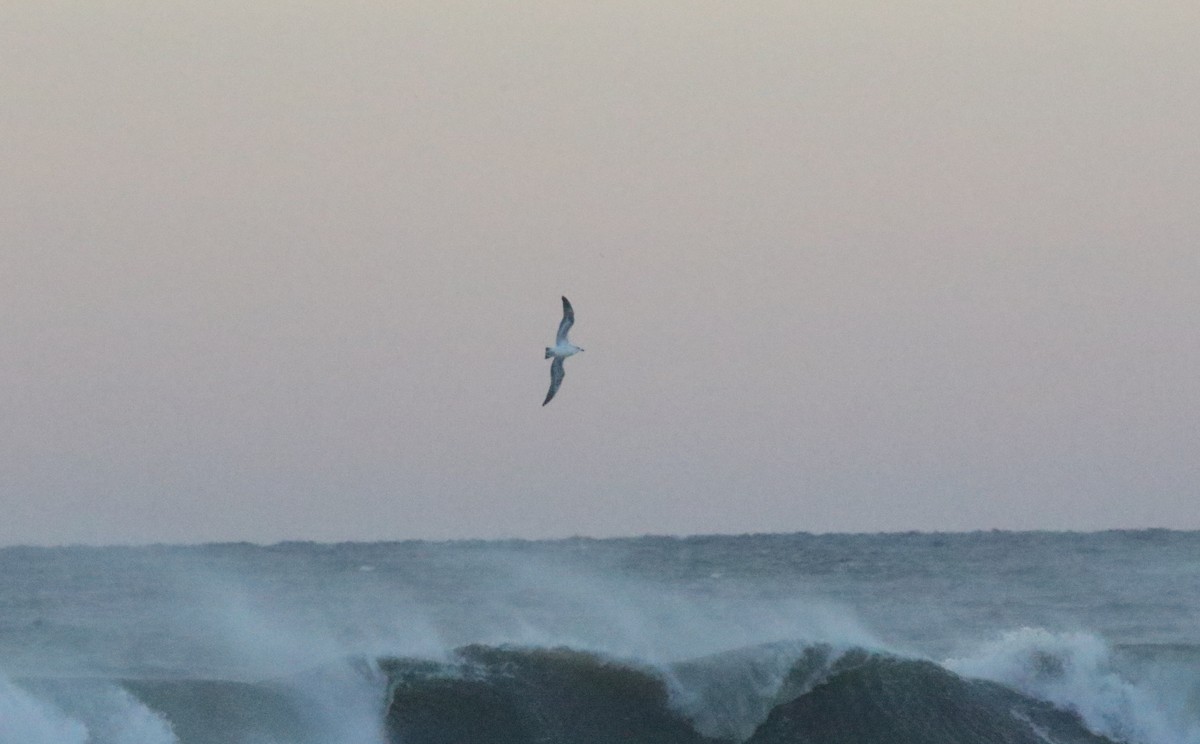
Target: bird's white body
[(562, 351)]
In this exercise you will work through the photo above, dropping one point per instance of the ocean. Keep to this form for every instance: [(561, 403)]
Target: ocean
[(1035, 638)]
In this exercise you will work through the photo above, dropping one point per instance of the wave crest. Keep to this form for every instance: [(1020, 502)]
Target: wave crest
[(1076, 671)]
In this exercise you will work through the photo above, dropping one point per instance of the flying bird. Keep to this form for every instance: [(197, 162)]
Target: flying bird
[(561, 350)]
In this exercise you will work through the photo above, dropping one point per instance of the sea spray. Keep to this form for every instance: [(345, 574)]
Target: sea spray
[(1075, 671), (730, 694), (512, 695), (532, 600), (872, 698), (319, 656), (78, 712), (344, 702), (515, 695), (25, 719), (237, 644)]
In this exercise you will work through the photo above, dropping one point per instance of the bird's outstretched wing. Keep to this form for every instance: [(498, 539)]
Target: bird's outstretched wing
[(556, 378), (567, 321)]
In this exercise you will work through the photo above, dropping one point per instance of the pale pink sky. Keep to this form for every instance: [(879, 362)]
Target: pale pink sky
[(286, 271)]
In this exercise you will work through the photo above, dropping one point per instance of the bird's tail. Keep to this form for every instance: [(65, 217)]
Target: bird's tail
[(549, 352)]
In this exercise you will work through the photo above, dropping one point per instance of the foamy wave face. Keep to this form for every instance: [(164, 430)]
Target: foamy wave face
[(100, 714), (1074, 671), (24, 718), (113, 716)]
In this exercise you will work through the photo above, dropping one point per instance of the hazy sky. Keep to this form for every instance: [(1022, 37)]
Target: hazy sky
[(285, 270)]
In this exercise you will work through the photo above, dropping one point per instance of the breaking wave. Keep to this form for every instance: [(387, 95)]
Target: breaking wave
[(95, 713), (1078, 672), (853, 696)]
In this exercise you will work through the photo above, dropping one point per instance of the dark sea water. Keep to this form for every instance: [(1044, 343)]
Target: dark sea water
[(937, 638)]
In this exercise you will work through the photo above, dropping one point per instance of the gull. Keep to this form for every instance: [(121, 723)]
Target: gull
[(561, 350)]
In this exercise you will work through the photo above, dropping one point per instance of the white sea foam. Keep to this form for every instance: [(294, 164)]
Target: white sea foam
[(1074, 671), (95, 714), (113, 716), (25, 719)]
